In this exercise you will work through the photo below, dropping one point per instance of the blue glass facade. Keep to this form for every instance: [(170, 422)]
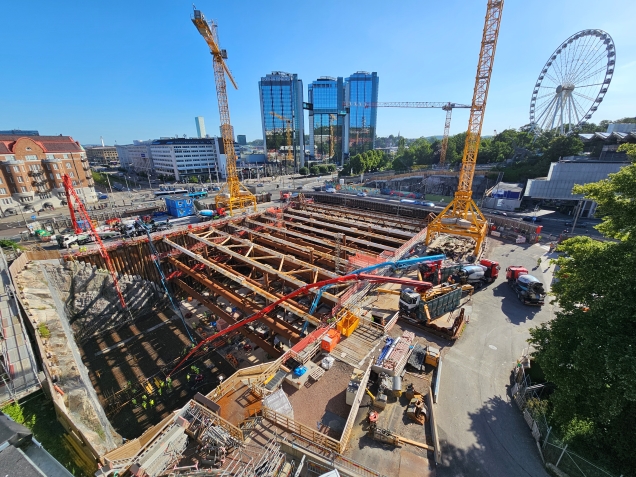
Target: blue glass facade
[(327, 122), (362, 87), (282, 94)]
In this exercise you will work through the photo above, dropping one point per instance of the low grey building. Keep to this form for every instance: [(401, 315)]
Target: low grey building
[(568, 172)]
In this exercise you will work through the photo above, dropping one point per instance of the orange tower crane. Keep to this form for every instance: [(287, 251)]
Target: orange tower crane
[(288, 130), (462, 216), (71, 194), (448, 107), (233, 194)]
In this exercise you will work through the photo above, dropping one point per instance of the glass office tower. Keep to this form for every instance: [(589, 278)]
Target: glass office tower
[(327, 119), (281, 97), (360, 88)]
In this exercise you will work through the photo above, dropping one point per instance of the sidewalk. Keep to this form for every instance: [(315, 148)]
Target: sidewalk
[(19, 374)]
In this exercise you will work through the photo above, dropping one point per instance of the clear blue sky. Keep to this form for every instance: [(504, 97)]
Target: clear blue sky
[(139, 69)]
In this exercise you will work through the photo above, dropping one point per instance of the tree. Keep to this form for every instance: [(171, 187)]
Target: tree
[(331, 168), (303, 171), (313, 170), (322, 168), (589, 349), (562, 146), (629, 149), (193, 179)]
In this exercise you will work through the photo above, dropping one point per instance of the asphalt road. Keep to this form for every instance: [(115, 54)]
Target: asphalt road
[(482, 431)]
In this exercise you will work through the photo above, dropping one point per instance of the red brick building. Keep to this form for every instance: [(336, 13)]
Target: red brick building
[(31, 170)]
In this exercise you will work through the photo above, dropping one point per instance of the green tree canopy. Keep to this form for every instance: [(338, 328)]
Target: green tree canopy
[(303, 171), (589, 349)]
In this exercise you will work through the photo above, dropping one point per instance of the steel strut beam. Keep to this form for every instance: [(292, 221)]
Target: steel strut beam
[(277, 326), (372, 229), (350, 232), (272, 253), (250, 335), (266, 268), (304, 237), (244, 282)]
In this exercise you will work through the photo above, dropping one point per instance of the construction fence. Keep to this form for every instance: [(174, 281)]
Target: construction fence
[(553, 450)]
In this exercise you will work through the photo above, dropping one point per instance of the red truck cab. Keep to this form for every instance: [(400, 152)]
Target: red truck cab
[(514, 272), (492, 269)]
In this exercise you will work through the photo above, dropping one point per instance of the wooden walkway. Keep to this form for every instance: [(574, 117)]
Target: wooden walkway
[(358, 347)]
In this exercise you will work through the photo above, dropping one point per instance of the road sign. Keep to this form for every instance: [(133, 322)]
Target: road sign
[(33, 217)]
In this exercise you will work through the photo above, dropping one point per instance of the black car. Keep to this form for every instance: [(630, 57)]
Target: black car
[(532, 219)]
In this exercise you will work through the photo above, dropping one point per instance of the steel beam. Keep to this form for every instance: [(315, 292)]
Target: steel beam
[(301, 236), (308, 254), (414, 225), (247, 308), (350, 232), (323, 274), (370, 228), (351, 240), (246, 283), (250, 335)]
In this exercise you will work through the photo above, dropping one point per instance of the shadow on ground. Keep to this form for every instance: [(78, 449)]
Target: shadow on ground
[(504, 446)]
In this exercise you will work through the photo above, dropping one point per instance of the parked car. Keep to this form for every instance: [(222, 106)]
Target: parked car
[(102, 196), (330, 190), (260, 184), (529, 218), (428, 204), (299, 188), (361, 194), (496, 212)]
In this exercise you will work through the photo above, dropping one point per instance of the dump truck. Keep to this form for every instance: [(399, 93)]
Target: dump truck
[(528, 288)]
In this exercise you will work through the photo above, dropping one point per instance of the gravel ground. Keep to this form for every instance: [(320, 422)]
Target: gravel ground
[(324, 400)]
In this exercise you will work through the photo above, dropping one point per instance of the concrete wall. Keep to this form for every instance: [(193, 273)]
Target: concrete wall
[(564, 175)]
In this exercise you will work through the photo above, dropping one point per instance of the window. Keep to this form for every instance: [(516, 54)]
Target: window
[(20, 179), (16, 169), (31, 157), (65, 156), (71, 174), (23, 189), (68, 165), (51, 175), (48, 168), (11, 179), (3, 190), (57, 176), (55, 167)]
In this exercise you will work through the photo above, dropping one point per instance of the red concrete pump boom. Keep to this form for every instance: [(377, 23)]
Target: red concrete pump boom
[(417, 285), (70, 192)]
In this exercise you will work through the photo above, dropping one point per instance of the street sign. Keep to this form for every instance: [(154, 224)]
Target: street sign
[(33, 217)]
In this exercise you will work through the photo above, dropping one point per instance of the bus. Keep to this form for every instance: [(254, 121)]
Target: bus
[(200, 194), (168, 192)]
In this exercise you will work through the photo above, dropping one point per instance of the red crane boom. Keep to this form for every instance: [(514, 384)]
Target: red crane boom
[(301, 291), (70, 192)]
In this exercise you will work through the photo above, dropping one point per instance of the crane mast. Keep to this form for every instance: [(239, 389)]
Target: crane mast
[(233, 194), (288, 131), (462, 216), (448, 107)]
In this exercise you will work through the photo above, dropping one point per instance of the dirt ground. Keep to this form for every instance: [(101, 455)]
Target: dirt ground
[(322, 405)]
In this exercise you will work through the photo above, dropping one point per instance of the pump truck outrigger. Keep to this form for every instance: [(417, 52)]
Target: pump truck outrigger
[(528, 288)]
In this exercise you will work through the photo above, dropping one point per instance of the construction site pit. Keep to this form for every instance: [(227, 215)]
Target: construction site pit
[(219, 273)]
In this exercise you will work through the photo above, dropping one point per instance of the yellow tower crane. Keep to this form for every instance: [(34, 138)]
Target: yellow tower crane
[(462, 216), (233, 194), (288, 130), (331, 138)]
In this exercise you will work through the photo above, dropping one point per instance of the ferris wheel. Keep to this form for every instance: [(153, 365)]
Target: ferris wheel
[(573, 82)]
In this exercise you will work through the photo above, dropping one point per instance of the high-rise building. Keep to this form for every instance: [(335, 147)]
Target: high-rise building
[(199, 121), (362, 87), (327, 119), (281, 94), (241, 139), (31, 171)]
